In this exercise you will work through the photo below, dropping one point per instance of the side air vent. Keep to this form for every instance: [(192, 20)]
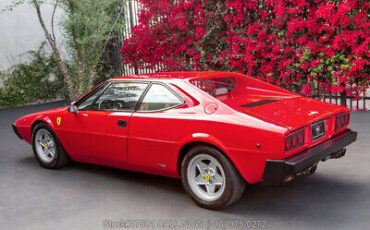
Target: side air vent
[(257, 103)]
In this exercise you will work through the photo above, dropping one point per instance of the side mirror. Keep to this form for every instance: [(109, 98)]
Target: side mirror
[(73, 109)]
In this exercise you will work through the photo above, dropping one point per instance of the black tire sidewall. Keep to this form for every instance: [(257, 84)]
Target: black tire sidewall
[(231, 177)]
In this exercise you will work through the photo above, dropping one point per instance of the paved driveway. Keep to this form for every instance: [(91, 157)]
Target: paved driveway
[(84, 196)]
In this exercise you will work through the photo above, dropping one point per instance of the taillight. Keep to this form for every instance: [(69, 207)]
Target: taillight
[(341, 121), (294, 140)]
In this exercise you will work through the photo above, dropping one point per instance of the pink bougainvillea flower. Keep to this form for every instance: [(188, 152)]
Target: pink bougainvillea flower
[(290, 42)]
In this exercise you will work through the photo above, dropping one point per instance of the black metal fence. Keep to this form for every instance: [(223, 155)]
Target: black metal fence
[(355, 103), (130, 17)]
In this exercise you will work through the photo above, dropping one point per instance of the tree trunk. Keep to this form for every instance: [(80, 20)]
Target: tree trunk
[(56, 52), (77, 47)]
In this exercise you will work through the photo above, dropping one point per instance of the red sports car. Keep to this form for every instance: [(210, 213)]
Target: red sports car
[(216, 131)]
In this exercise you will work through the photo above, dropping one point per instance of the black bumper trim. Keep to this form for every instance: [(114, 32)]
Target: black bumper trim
[(16, 131), (276, 170)]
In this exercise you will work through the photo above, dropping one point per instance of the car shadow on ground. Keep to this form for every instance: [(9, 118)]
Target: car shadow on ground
[(319, 197), (312, 200), (90, 171)]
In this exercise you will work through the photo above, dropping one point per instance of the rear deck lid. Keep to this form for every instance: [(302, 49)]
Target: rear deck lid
[(289, 112)]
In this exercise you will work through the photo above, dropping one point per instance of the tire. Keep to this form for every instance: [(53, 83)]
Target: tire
[(43, 149), (220, 191), (312, 170)]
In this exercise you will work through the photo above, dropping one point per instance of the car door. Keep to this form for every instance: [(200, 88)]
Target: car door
[(154, 127), (97, 133)]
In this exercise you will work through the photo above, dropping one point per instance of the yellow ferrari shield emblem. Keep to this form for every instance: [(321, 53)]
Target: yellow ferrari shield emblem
[(59, 120), (206, 177)]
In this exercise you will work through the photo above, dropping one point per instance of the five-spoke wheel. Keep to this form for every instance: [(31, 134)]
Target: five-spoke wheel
[(47, 148), (210, 178), (206, 177), (45, 145)]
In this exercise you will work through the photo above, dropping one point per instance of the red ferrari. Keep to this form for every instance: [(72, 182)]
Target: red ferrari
[(216, 131)]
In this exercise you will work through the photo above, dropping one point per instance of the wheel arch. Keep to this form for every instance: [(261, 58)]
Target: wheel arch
[(42, 119), (35, 123), (47, 122), (191, 144)]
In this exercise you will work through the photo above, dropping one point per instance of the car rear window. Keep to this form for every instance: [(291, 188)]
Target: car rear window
[(215, 86)]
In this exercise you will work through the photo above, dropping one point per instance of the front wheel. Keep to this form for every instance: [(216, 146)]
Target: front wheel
[(210, 179), (47, 148)]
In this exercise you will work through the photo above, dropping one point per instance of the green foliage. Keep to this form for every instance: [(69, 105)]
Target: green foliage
[(12, 5), (38, 80), (89, 26)]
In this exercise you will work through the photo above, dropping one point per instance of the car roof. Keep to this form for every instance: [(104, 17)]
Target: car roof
[(175, 75)]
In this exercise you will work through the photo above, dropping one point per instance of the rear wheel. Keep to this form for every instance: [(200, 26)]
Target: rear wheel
[(47, 149), (210, 179)]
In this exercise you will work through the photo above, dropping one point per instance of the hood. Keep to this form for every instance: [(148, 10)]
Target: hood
[(46, 112), (290, 112), (56, 110)]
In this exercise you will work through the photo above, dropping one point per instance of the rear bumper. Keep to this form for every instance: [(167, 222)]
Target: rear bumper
[(16, 131), (276, 171)]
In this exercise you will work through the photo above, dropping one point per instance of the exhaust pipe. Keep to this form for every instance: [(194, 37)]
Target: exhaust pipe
[(338, 154), (306, 172), (311, 170)]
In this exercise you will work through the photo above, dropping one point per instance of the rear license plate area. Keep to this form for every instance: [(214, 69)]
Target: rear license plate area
[(317, 130)]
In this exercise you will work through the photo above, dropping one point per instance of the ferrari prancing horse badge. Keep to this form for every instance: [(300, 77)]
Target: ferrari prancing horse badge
[(59, 119)]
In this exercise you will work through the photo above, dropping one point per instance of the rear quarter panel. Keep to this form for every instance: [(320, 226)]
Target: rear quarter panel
[(157, 138)]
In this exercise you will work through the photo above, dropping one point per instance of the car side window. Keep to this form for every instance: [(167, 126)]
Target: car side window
[(121, 96), (216, 86), (86, 102), (159, 97)]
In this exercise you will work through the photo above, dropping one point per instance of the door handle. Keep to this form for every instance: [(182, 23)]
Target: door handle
[(122, 123)]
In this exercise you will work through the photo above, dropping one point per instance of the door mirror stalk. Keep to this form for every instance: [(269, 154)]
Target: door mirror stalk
[(73, 109)]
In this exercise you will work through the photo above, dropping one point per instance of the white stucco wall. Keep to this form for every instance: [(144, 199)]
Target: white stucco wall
[(20, 31)]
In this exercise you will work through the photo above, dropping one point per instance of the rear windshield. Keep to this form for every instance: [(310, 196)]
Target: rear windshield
[(215, 86)]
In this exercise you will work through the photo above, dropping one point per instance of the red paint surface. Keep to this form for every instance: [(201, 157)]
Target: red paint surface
[(156, 138)]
